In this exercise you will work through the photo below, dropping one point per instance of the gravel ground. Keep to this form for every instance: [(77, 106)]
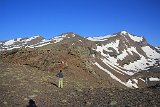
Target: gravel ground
[(19, 83)]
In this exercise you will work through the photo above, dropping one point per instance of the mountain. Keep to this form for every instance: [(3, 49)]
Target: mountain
[(35, 41), (118, 60)]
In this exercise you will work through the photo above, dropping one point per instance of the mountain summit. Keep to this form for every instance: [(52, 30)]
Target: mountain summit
[(118, 60)]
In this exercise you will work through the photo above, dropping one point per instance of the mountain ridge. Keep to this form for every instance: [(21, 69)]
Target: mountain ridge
[(115, 59)]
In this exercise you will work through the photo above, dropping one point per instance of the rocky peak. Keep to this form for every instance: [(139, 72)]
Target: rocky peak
[(130, 36), (124, 40), (34, 40), (70, 38), (67, 35)]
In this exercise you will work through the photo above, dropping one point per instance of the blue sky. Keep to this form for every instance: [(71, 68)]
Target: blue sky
[(26, 18)]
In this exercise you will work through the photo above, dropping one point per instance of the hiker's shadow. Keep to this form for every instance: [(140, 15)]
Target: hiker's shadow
[(53, 84), (31, 103)]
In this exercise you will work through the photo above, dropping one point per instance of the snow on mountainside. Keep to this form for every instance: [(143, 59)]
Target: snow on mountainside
[(158, 48), (120, 55), (62, 37), (121, 49), (126, 54), (135, 38), (127, 51), (20, 40), (35, 41), (101, 38)]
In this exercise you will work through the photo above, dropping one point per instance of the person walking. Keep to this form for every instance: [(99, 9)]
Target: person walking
[(60, 76)]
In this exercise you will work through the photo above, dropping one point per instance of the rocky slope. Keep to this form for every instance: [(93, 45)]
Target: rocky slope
[(118, 60), (19, 83), (98, 71)]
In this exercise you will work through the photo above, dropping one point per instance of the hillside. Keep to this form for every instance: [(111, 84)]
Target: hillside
[(19, 83), (113, 61), (96, 69)]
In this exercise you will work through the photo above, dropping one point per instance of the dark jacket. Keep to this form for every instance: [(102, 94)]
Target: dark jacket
[(60, 75)]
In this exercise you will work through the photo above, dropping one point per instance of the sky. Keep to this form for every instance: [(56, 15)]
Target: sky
[(49, 18)]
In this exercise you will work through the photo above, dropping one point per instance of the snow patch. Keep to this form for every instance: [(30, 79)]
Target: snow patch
[(131, 50), (135, 80), (32, 38), (112, 76), (100, 38), (64, 35), (142, 79), (123, 32), (135, 38), (138, 65), (150, 52), (129, 83), (57, 39), (15, 47), (19, 39), (154, 79), (80, 40), (73, 35), (114, 45), (10, 42), (40, 45), (123, 55), (114, 66), (105, 61)]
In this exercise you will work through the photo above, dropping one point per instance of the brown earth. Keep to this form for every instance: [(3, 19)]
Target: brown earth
[(19, 83), (74, 60), (30, 74)]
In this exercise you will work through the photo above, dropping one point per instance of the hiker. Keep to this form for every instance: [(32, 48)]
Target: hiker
[(60, 76), (31, 103)]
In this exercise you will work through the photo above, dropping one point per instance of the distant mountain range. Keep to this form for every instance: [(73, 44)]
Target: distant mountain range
[(123, 58)]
